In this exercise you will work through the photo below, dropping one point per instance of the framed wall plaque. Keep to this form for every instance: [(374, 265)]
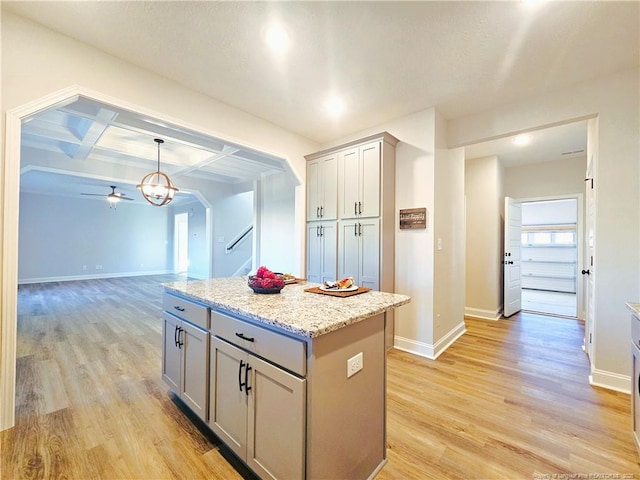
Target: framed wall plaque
[(411, 218)]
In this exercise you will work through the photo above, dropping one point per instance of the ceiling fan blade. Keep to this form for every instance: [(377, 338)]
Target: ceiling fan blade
[(125, 198), (94, 194)]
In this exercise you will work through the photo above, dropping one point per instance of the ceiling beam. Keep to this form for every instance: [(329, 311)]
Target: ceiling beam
[(102, 121), (226, 152)]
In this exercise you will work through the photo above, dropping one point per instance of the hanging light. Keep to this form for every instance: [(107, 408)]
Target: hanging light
[(156, 187)]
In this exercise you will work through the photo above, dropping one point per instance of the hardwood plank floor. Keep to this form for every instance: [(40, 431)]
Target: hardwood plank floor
[(510, 399)]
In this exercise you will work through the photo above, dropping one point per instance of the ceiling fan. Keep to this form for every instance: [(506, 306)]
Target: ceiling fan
[(112, 197)]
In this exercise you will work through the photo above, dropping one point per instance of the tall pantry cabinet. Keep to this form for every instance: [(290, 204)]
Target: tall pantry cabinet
[(351, 212)]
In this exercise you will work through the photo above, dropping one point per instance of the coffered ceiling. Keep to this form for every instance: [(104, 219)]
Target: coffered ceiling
[(106, 146)]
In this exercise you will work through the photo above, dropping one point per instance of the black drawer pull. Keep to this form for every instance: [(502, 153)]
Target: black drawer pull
[(242, 336), (179, 308), (240, 384), (247, 387)]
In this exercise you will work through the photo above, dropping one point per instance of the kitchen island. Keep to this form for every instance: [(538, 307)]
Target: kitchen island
[(293, 383)]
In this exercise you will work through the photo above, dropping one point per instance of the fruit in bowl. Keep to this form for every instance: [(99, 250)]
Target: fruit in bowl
[(265, 281)]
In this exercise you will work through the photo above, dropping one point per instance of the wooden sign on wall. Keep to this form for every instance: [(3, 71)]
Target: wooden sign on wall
[(413, 218)]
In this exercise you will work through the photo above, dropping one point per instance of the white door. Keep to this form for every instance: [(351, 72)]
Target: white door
[(511, 258), (588, 269)]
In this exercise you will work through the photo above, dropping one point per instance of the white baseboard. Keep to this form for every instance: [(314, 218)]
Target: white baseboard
[(428, 350), (24, 281), (483, 314), (610, 380)]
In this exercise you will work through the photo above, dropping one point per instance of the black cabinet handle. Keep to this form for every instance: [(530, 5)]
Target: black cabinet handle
[(359, 208), (240, 384), (359, 229), (175, 336), (321, 212), (321, 231), (179, 308), (355, 229), (180, 342), (355, 208), (243, 337), (246, 379), (586, 272)]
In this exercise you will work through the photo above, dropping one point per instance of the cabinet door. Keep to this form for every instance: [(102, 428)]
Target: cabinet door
[(195, 368), (314, 253), (369, 186), (348, 250), (170, 352), (322, 188), (314, 186), (276, 439), (228, 397), (369, 255), (329, 250), (322, 244), (329, 210), (349, 183)]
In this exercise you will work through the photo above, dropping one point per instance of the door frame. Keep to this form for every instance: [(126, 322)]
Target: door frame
[(10, 198), (580, 226)]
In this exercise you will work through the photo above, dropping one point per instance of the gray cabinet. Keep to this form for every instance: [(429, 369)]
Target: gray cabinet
[(256, 406), (360, 251), (322, 245), (185, 352), (365, 180), (322, 188), (359, 181)]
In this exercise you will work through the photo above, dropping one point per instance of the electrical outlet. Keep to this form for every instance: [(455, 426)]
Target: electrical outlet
[(354, 364)]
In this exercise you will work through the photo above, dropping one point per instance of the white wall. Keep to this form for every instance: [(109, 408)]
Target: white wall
[(64, 238), (230, 217), (484, 237), (277, 235), (614, 100), (546, 179), (552, 212), (449, 233)]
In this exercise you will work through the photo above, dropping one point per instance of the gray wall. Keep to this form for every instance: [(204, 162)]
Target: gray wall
[(230, 216), (62, 238)]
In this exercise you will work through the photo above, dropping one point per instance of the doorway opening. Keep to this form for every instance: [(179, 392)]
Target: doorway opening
[(181, 243), (549, 254)]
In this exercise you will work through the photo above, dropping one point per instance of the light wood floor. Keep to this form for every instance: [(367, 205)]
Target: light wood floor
[(508, 400)]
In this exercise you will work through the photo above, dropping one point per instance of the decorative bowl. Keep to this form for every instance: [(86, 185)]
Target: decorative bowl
[(254, 284)]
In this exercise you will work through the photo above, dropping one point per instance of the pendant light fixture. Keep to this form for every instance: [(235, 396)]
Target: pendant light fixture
[(156, 187)]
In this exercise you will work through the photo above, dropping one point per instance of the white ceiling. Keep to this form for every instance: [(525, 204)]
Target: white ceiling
[(385, 59)]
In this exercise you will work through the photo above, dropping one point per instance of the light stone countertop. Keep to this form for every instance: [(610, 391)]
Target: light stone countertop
[(293, 310), (634, 307)]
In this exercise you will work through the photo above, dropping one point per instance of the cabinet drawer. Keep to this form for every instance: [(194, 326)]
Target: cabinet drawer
[(187, 310), (277, 348)]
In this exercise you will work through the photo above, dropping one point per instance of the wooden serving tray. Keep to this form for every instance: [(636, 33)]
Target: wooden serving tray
[(337, 293)]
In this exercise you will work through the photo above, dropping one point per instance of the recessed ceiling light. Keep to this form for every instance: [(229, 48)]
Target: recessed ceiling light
[(335, 106), (277, 38), (522, 140)]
